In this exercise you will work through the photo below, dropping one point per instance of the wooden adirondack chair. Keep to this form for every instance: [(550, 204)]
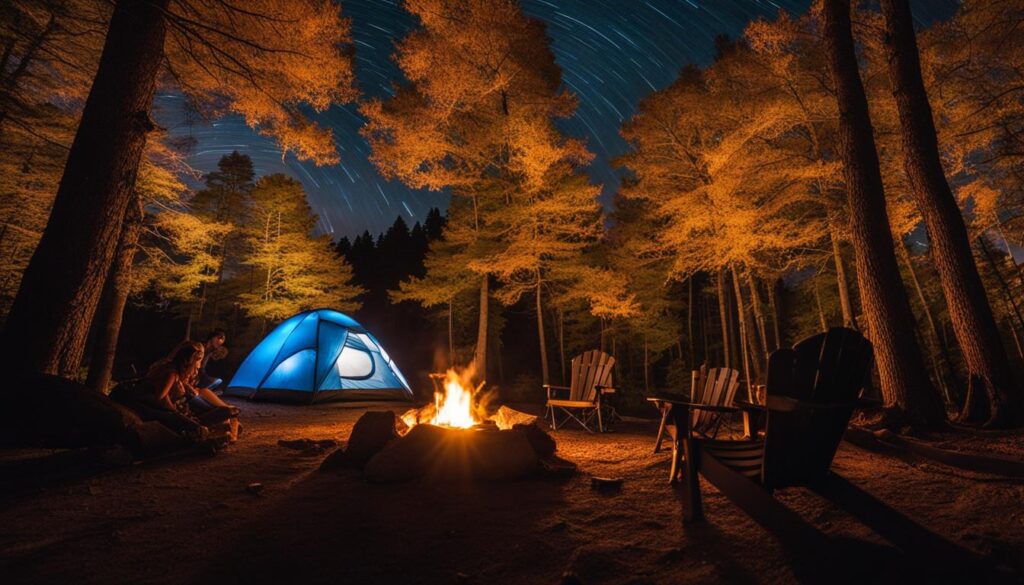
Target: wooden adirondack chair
[(812, 392), (714, 387), (591, 381)]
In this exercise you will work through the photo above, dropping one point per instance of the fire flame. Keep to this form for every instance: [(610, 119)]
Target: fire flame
[(453, 407)]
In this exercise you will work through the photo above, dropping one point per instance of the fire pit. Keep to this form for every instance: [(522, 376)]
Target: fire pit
[(455, 438)]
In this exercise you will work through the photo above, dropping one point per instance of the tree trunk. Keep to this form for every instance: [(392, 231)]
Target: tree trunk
[(905, 384), (540, 337), (53, 310), (755, 304), (969, 310), (773, 304), (723, 313), (842, 283), (940, 342), (821, 311), (689, 326), (451, 336), (115, 296), (647, 380), (561, 342), (1011, 304), (480, 355), (748, 340)]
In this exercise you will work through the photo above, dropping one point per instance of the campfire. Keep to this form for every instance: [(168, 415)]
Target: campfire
[(455, 437), (458, 404)]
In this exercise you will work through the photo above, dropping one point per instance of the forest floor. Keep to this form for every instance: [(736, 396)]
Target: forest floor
[(193, 520)]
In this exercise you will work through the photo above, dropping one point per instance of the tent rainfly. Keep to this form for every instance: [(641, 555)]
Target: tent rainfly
[(319, 356)]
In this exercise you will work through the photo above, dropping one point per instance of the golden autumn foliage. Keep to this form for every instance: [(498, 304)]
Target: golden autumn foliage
[(263, 60), (294, 270)]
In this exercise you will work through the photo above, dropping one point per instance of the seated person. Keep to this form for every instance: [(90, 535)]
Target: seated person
[(159, 394), (166, 394), (213, 348)]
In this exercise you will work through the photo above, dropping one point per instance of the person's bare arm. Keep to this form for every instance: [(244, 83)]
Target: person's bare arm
[(163, 398)]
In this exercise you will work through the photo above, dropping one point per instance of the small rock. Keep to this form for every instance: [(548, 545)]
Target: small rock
[(605, 484), (254, 488), (556, 467)]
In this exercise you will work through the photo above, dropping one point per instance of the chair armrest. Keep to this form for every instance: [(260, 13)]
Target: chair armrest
[(693, 405), (785, 403), (552, 389), (746, 405), (605, 389)]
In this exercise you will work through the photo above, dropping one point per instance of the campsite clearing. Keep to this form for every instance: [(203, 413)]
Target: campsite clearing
[(198, 520)]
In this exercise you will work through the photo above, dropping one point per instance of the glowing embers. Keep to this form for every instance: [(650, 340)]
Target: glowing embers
[(457, 404)]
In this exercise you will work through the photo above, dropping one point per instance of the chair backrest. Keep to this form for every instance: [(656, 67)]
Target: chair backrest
[(822, 376), (589, 369), (715, 387)]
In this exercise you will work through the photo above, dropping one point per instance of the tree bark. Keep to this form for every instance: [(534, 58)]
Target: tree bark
[(773, 304), (540, 336), (969, 309), (743, 330), (755, 304), (842, 282), (53, 310), (821, 311), (480, 355), (112, 303), (561, 343), (689, 327), (905, 385), (723, 313)]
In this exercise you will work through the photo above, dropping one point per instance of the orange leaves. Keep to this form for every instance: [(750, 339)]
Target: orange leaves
[(262, 61)]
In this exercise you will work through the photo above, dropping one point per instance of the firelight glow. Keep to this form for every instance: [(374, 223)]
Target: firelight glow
[(454, 405), (454, 408)]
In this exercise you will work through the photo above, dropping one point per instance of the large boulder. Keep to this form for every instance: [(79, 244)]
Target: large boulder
[(371, 433), (54, 412), (445, 454)]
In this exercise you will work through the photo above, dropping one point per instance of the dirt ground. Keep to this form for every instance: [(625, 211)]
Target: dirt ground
[(193, 520)]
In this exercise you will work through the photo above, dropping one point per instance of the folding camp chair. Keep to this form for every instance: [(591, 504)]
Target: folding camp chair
[(591, 383), (713, 387)]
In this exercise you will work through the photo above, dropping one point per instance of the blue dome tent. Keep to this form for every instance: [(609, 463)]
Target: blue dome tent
[(318, 356)]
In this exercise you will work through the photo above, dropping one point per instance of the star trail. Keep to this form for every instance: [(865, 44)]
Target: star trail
[(612, 54)]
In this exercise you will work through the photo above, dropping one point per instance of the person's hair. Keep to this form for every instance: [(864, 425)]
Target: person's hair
[(215, 334), (182, 355)]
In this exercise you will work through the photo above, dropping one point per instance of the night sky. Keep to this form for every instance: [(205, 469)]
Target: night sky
[(612, 54)]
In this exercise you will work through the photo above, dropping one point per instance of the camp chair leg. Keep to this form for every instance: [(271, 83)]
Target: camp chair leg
[(661, 427), (551, 413), (600, 425)]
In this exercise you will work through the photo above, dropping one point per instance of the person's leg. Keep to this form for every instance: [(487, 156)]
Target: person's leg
[(211, 397)]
